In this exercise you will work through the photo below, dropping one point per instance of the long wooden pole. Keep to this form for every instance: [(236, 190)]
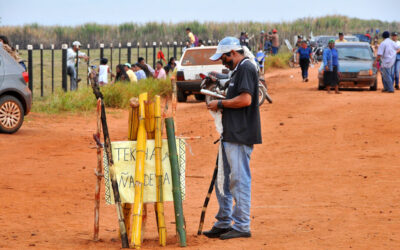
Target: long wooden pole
[(176, 187), (98, 175), (114, 184), (159, 206), (139, 175)]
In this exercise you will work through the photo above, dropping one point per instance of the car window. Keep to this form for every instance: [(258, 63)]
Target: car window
[(354, 53), (199, 57)]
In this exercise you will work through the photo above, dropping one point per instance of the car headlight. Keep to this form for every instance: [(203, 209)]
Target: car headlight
[(365, 73)]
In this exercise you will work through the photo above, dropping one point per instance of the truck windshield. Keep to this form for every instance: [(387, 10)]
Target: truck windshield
[(198, 57)]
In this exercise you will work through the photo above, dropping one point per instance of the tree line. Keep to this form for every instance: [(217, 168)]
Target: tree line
[(94, 34)]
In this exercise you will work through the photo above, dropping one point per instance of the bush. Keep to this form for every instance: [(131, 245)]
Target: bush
[(280, 61), (115, 96)]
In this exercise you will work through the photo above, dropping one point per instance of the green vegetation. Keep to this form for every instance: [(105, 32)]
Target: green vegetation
[(280, 61), (132, 32), (115, 96)]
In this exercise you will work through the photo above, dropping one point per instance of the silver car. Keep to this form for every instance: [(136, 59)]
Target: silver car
[(15, 95)]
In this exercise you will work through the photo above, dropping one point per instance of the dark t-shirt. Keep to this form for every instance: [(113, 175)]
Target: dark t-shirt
[(242, 125)]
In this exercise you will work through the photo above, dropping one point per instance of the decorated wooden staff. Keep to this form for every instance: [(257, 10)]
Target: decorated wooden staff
[(176, 187), (114, 184), (98, 173)]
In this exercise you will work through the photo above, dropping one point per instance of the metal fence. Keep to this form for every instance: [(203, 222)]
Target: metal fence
[(40, 60)]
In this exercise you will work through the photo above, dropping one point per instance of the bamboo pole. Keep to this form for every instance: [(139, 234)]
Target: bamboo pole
[(139, 175), (176, 188), (159, 206), (98, 175), (149, 120)]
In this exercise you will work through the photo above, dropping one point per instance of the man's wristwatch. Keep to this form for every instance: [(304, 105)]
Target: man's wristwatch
[(219, 105)]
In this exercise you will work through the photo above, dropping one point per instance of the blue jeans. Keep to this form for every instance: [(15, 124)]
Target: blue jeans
[(387, 79), (72, 77), (396, 70), (275, 50), (237, 186)]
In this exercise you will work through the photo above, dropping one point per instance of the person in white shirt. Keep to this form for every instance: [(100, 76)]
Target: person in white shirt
[(387, 54), (71, 62), (396, 66), (104, 70)]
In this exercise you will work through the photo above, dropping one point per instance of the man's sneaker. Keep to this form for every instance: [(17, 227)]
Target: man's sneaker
[(215, 232), (235, 234), (397, 87)]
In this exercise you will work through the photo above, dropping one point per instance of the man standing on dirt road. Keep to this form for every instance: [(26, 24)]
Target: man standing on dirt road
[(241, 130), (275, 41), (396, 66), (387, 54), (71, 62)]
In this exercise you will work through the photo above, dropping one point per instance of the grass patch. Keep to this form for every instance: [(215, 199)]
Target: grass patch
[(280, 61), (115, 96)]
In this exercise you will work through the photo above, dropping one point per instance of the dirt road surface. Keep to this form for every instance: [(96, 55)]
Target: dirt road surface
[(327, 175)]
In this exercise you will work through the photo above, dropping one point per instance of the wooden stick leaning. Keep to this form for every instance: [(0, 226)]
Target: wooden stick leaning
[(159, 206), (98, 173), (139, 175), (114, 184), (176, 188)]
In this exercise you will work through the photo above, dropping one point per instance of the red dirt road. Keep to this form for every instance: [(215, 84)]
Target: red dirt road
[(327, 175)]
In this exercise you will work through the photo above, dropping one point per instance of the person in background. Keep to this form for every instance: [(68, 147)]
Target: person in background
[(71, 62), (330, 80), (150, 69), (268, 43), (160, 72), (304, 54), (192, 38), (244, 39), (145, 69), (341, 38), (140, 74), (11, 50), (396, 67), (275, 41), (201, 43), (387, 54), (298, 43), (170, 69), (104, 70), (121, 75), (262, 40), (130, 73)]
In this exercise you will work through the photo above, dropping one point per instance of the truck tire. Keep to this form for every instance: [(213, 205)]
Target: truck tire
[(182, 97), (11, 114), (199, 97)]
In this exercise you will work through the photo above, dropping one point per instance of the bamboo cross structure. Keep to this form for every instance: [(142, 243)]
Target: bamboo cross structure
[(98, 173), (139, 175)]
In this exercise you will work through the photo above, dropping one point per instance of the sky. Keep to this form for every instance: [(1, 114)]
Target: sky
[(76, 12)]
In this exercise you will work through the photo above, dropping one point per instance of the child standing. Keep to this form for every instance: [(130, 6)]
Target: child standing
[(104, 70)]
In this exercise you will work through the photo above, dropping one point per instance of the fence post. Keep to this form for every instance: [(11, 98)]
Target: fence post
[(111, 57), (138, 48), (168, 51), (147, 45), (17, 48), (76, 70), (101, 51), (209, 42), (41, 70), (181, 49), (154, 54), (175, 49), (30, 67), (52, 68), (64, 67), (119, 53), (88, 54), (129, 52)]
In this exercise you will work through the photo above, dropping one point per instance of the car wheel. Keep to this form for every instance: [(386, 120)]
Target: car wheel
[(375, 86), (182, 97), (200, 97), (11, 114)]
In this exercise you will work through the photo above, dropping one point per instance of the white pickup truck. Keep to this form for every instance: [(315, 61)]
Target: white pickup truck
[(193, 62)]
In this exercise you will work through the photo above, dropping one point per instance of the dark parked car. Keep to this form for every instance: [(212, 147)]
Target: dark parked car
[(15, 95), (356, 66)]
